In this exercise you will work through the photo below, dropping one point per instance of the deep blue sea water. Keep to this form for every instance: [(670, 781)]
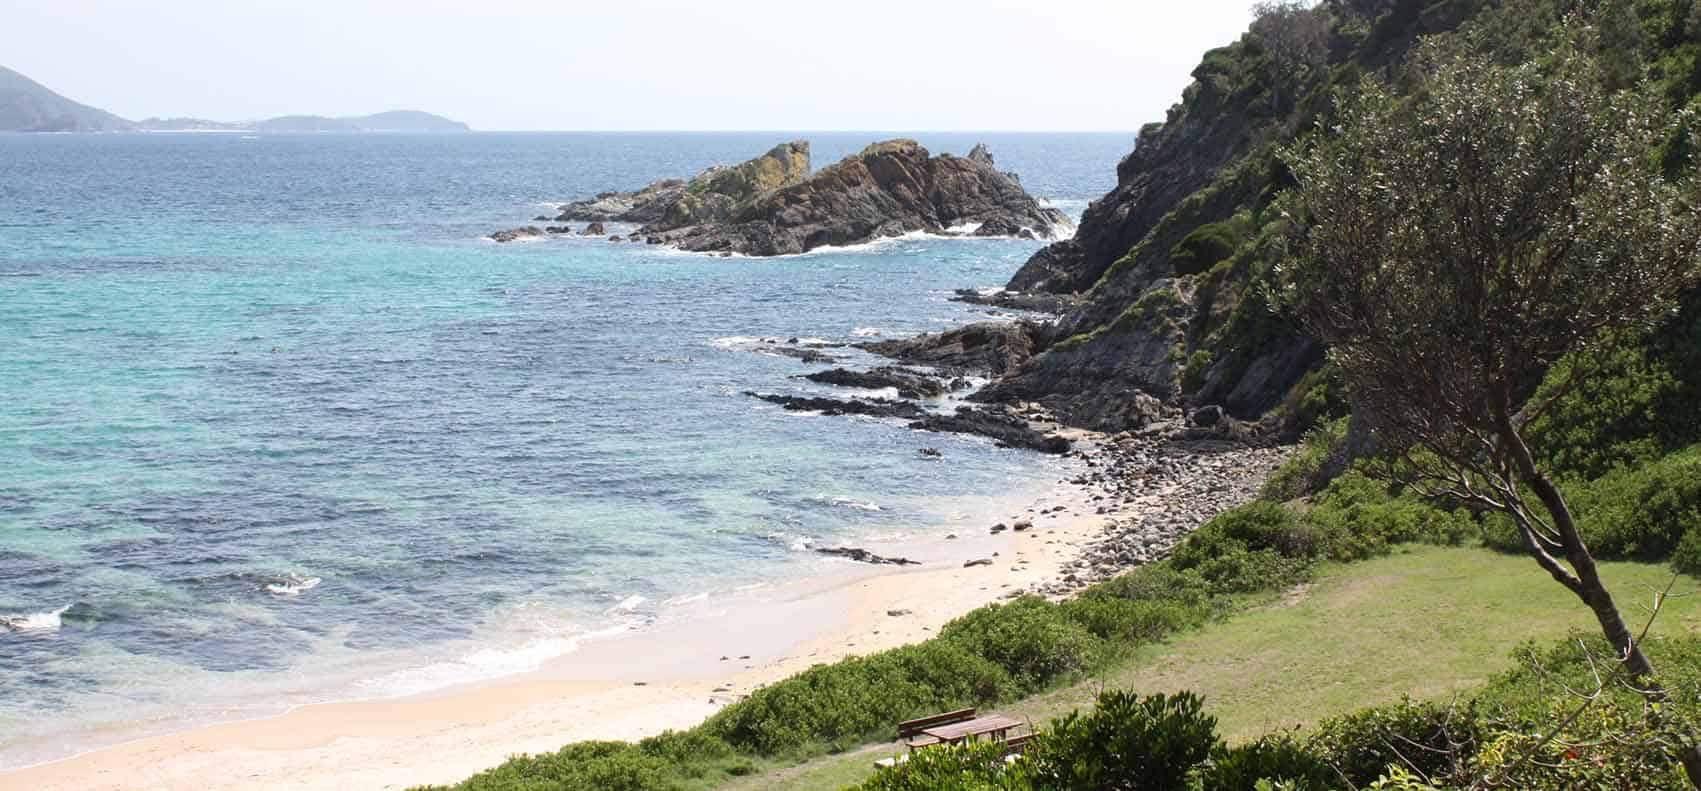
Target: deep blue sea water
[(277, 424)]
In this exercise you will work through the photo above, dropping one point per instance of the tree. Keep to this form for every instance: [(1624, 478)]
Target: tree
[(1294, 35), (1451, 247)]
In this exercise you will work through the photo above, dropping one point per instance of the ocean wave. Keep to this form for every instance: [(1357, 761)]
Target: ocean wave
[(846, 502), (49, 621), (628, 604), (291, 585), (867, 332), (734, 342)]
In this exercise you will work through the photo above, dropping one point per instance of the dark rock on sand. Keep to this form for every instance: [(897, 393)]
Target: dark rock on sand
[(864, 556), (1008, 430)]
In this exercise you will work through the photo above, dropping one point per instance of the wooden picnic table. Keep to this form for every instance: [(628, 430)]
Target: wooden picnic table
[(996, 724)]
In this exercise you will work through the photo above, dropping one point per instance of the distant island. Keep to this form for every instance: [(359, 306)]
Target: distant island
[(29, 106)]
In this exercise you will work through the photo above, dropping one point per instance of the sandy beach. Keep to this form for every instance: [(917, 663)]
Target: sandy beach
[(624, 687)]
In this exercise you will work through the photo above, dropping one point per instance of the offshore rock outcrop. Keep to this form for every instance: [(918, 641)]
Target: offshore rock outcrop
[(888, 189), (773, 205), (710, 197)]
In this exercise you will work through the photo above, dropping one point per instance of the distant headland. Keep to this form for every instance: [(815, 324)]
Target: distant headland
[(29, 106)]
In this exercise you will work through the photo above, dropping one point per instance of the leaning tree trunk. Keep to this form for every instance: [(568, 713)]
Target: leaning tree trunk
[(1584, 580)]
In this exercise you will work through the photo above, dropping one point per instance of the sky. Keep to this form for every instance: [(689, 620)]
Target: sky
[(982, 65)]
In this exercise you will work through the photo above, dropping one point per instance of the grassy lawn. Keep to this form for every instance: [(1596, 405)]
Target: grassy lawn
[(1428, 622)]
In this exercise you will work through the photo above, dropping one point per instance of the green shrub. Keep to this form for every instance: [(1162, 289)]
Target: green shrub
[(1133, 622), (1431, 739), (1032, 639), (970, 767), (1605, 747), (1156, 582), (691, 753), (1642, 512), (1258, 546), (1610, 412), (1126, 742), (859, 699), (615, 766), (1206, 246), (1279, 758), (1687, 557), (1301, 474), (1357, 517), (1251, 571), (1193, 374), (1255, 526)]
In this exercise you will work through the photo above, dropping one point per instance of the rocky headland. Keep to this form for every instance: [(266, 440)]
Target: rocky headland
[(774, 204)]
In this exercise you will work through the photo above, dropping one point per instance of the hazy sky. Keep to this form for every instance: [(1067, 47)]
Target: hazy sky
[(629, 64)]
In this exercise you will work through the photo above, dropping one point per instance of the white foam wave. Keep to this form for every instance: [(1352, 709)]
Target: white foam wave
[(481, 664), (628, 604), (49, 621), (686, 599), (847, 502), (734, 342), (292, 585), (867, 332)]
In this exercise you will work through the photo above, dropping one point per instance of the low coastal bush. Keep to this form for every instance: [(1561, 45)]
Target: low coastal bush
[(829, 707), (1033, 640), (614, 766), (1126, 741), (1357, 517), (976, 766), (1637, 513), (1429, 739), (1302, 473), (1134, 621), (1278, 758)]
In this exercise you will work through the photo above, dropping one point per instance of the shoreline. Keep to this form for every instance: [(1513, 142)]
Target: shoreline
[(634, 685)]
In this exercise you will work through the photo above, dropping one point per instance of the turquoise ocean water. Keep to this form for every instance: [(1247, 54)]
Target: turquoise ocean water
[(277, 425)]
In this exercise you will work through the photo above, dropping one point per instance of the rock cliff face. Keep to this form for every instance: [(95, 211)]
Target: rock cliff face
[(1166, 280), (772, 205)]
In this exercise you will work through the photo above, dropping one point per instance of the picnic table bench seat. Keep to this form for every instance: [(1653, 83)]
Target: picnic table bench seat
[(909, 728)]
